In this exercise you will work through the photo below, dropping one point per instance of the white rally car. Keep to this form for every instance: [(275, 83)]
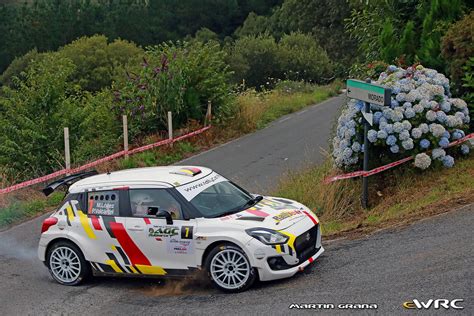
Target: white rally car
[(171, 221)]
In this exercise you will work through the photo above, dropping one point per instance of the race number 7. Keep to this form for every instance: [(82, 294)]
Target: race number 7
[(187, 232)]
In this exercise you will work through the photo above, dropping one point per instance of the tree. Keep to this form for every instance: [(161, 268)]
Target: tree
[(408, 43), (389, 49)]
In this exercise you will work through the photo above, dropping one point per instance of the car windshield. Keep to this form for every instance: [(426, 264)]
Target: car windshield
[(223, 198)]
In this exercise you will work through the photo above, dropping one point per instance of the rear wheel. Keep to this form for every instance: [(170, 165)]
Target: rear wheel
[(229, 269), (67, 264)]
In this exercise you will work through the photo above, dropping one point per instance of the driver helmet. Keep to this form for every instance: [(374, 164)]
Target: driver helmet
[(140, 203)]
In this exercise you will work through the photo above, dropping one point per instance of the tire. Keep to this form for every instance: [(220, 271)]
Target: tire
[(66, 263), (229, 269)]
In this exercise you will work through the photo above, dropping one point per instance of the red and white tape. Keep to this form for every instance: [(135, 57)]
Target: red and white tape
[(99, 161), (362, 173)]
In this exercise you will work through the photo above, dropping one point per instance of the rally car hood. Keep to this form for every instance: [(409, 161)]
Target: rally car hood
[(273, 213)]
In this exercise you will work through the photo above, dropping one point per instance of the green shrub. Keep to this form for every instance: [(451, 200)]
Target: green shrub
[(303, 58), (255, 59), (97, 61), (457, 47), (180, 77)]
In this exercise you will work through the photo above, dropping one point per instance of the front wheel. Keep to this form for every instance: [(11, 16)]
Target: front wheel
[(229, 269), (67, 264)]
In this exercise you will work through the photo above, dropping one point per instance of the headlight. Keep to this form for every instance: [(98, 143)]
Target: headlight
[(267, 236)]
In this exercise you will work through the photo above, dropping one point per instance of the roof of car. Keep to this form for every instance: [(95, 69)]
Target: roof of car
[(169, 176)]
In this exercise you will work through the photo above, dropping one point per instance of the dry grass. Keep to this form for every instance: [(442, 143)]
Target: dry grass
[(396, 196), (257, 109)]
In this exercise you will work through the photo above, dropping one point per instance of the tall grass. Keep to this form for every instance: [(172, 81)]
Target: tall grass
[(257, 109), (397, 195)]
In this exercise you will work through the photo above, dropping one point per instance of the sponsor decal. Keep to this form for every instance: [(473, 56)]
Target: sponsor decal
[(286, 214), (434, 303), (103, 208), (332, 306), (190, 190), (163, 231), (178, 246)]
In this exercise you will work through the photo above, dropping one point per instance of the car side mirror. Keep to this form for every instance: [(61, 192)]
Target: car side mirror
[(152, 210), (165, 214)]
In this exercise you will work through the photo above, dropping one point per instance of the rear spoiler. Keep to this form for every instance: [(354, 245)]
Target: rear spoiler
[(67, 181)]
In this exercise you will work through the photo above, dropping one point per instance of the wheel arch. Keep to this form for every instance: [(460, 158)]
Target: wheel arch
[(215, 244), (59, 239)]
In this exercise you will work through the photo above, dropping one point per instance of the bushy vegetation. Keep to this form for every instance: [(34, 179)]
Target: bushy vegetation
[(260, 60), (49, 24)]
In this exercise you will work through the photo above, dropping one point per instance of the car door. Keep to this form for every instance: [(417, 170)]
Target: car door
[(163, 248), (96, 225)]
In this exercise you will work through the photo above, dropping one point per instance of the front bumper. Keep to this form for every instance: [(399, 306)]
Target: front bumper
[(280, 262)]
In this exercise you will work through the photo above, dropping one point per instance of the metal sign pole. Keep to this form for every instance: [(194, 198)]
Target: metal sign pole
[(365, 180)]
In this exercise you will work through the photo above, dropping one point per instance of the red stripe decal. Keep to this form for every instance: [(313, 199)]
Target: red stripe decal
[(147, 221), (95, 222), (311, 260), (315, 222), (258, 213), (133, 252)]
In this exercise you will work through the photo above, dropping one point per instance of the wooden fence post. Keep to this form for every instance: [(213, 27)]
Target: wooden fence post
[(170, 126), (208, 113), (125, 135), (67, 152)]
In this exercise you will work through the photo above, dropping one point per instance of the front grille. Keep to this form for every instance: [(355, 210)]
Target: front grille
[(305, 249), (305, 244)]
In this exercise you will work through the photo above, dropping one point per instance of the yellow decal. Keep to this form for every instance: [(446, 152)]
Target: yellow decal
[(151, 269), (85, 224), (70, 214), (291, 239), (133, 269), (278, 248), (114, 266), (113, 248), (286, 214)]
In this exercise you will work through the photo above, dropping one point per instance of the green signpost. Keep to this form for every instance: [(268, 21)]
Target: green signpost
[(368, 93)]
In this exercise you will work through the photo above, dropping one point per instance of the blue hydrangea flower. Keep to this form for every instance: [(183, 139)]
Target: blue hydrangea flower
[(448, 161), (425, 144), (394, 149), (356, 147), (347, 153), (447, 135), (377, 116), (465, 149), (392, 68), (431, 116), (382, 134), (398, 127), (418, 108), (372, 135), (445, 106), (410, 113), (391, 140), (388, 128), (404, 135), (416, 133), (406, 125), (443, 142), (438, 153), (393, 103), (424, 128), (441, 116), (408, 144)]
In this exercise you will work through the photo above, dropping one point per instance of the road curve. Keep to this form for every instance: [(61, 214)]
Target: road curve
[(430, 259)]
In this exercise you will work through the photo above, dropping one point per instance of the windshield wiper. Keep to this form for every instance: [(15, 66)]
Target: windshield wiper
[(252, 202), (249, 203)]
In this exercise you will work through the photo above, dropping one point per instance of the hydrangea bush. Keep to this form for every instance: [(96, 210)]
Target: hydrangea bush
[(421, 120)]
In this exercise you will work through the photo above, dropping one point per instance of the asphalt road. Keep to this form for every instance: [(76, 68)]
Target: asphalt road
[(257, 160), (430, 259)]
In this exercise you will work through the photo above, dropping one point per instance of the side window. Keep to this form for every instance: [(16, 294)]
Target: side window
[(142, 202), (103, 203)]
